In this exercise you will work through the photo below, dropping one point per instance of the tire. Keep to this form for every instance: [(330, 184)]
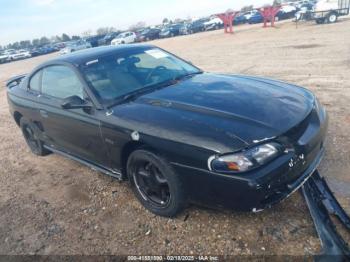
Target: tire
[(332, 18), (319, 21), (150, 175), (35, 145)]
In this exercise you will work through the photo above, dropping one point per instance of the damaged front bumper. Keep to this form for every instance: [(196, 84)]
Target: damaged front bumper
[(322, 204)]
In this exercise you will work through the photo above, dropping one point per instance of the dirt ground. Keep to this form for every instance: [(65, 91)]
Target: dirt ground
[(53, 205)]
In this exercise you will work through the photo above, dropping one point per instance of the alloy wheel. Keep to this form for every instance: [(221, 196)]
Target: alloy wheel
[(151, 184)]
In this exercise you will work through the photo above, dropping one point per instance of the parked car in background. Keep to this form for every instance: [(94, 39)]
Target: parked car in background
[(3, 57), (47, 49), (37, 51), (20, 54), (304, 11), (9, 53), (286, 12), (184, 29), (256, 18), (148, 34), (75, 46), (94, 40), (124, 38), (107, 39), (301, 4), (178, 134), (170, 31), (240, 19), (249, 14), (197, 25), (59, 46), (213, 24)]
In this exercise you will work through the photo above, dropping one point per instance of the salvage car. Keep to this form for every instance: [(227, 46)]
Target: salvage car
[(107, 39), (256, 18), (240, 19), (197, 25), (213, 24), (178, 134), (75, 46), (124, 38), (170, 31), (3, 58), (17, 55), (148, 34)]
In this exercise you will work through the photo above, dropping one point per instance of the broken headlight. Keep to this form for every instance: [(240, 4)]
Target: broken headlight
[(245, 160)]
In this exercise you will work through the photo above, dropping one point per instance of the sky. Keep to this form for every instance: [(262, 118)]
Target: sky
[(29, 19)]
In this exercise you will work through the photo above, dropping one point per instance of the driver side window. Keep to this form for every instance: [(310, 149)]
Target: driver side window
[(61, 82)]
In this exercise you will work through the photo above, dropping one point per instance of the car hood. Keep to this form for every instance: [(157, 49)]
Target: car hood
[(223, 113)]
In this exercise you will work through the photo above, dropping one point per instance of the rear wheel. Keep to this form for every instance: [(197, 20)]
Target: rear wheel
[(332, 18), (34, 143), (155, 184)]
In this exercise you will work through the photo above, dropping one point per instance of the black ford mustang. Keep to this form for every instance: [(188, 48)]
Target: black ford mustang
[(179, 135)]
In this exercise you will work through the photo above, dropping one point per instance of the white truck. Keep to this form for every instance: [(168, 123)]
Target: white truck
[(329, 10)]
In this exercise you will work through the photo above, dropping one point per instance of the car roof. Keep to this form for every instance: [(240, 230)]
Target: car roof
[(83, 56)]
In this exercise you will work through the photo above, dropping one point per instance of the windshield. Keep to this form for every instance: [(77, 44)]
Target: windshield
[(114, 76), (122, 35)]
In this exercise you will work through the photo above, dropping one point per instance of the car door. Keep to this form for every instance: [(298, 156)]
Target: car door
[(72, 131), (127, 38)]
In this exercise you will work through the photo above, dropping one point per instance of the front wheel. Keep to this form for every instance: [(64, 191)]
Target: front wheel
[(155, 184), (34, 143)]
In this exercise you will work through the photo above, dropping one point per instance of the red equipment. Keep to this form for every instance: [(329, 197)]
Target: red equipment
[(227, 18), (269, 13)]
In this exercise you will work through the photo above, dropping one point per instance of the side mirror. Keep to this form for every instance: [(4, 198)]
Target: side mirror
[(75, 102)]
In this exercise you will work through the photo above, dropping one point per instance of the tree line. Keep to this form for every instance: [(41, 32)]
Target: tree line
[(39, 42)]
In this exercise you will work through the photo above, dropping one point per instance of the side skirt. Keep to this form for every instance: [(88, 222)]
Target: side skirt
[(108, 172)]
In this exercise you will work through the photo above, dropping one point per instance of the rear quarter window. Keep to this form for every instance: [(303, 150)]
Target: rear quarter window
[(35, 81)]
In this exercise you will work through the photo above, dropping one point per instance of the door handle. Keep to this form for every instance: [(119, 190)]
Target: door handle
[(43, 113)]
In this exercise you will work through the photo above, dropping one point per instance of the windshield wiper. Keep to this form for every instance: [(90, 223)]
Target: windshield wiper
[(142, 91), (180, 77)]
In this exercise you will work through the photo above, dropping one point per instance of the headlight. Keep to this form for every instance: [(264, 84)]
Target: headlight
[(245, 160)]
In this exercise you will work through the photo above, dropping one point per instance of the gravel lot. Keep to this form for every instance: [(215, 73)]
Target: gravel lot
[(53, 205)]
